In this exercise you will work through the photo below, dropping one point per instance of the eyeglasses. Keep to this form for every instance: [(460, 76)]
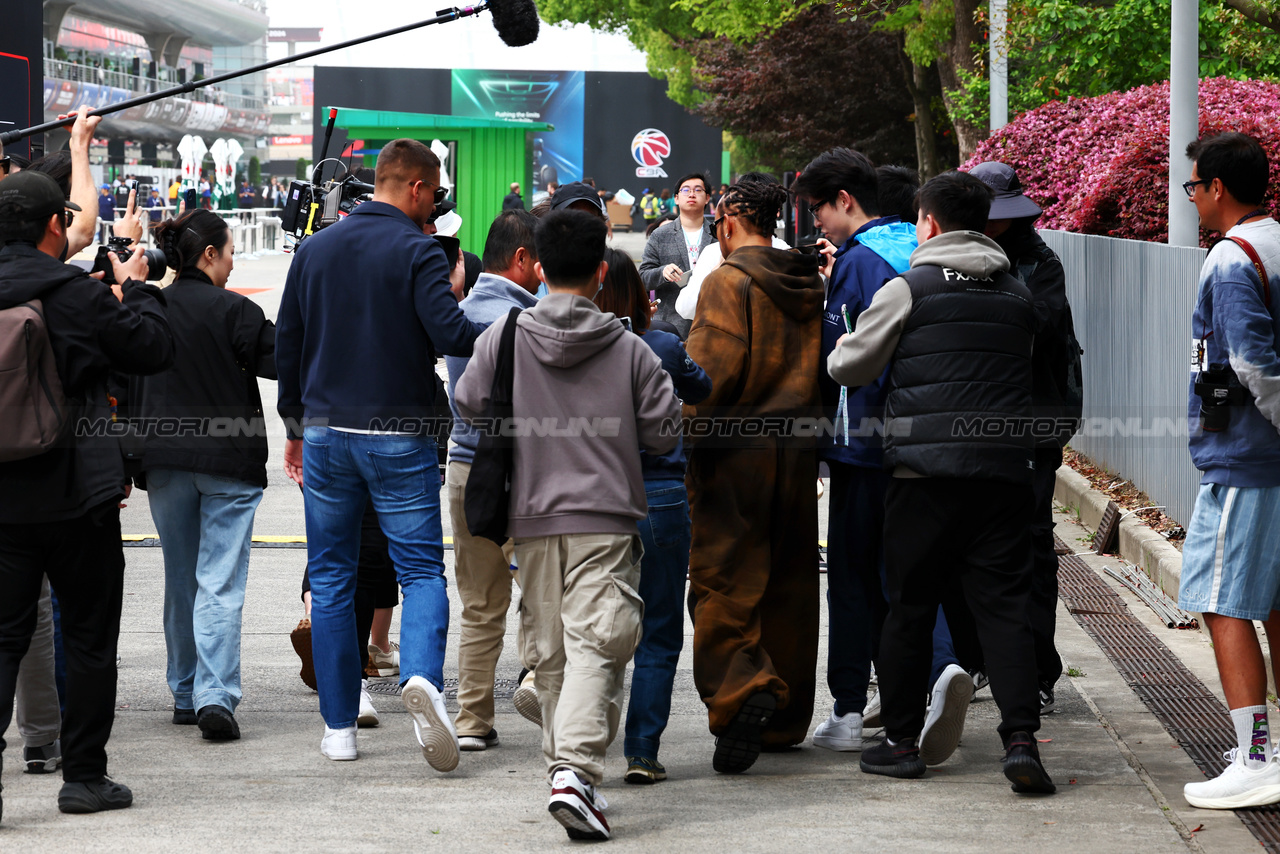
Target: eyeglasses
[(715, 224), (692, 191), (815, 207), (1189, 187)]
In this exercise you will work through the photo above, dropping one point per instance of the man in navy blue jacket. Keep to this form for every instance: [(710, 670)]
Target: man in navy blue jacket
[(365, 311), (840, 187)]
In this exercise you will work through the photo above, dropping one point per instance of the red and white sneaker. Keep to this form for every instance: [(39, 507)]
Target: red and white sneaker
[(576, 805)]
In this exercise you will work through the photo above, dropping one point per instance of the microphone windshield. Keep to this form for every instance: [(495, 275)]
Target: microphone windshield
[(515, 20)]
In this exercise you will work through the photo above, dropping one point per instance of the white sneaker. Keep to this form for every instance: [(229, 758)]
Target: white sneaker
[(842, 733), (576, 805), (479, 742), (368, 716), (385, 663), (431, 723), (944, 724), (1237, 787), (871, 714), (339, 744), (526, 702), (980, 680)]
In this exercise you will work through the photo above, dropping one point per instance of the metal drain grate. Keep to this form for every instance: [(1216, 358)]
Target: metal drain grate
[(503, 689), (1190, 712)]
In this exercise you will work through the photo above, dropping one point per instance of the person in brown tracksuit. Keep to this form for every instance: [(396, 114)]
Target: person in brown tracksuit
[(753, 565)]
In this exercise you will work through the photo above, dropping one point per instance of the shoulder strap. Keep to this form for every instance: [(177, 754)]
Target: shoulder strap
[(504, 371), (1258, 267)]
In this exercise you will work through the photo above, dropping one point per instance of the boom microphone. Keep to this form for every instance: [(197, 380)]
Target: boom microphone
[(515, 20)]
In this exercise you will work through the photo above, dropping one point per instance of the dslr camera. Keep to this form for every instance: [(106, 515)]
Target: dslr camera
[(120, 246), (1218, 389)]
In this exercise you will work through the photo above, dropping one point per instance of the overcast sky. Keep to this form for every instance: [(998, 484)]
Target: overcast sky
[(469, 43)]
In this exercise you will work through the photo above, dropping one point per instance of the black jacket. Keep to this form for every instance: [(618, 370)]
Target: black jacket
[(1057, 391), (91, 333), (204, 414)]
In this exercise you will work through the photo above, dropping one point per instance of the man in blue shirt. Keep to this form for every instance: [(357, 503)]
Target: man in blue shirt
[(840, 187), (366, 308), (1231, 559)]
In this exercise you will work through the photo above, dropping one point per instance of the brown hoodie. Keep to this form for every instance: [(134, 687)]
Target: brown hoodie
[(587, 395), (758, 335)]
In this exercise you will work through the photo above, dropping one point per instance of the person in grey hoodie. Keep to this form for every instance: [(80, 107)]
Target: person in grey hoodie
[(482, 568), (588, 396), (956, 332)]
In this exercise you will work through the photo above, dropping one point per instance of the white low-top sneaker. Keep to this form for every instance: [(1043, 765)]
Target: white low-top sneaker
[(944, 724), (1237, 787), (431, 724), (339, 744), (368, 716), (576, 805), (839, 733)]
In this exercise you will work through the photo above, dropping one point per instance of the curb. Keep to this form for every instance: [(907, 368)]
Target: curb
[(1138, 543)]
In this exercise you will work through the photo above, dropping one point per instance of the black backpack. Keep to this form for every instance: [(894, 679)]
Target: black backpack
[(487, 501)]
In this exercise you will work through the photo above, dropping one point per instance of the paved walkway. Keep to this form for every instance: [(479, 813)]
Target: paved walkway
[(1119, 773)]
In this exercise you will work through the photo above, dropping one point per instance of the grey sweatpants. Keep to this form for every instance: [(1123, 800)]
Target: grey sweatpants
[(36, 697)]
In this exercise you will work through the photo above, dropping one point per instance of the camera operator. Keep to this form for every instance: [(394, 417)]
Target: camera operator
[(1231, 559), (366, 307), (60, 507)]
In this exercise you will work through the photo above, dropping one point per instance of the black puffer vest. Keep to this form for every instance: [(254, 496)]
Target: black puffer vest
[(959, 403)]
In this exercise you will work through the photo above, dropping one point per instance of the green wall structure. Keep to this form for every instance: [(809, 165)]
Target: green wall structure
[(491, 153)]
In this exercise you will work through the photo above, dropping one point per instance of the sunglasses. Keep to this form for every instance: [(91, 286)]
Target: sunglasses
[(5, 163), (1189, 187), (440, 194)]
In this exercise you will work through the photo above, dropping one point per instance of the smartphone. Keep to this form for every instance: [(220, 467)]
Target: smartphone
[(808, 249), (450, 246), (191, 199)]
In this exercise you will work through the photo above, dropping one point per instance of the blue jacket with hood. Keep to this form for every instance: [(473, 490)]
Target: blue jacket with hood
[(873, 255)]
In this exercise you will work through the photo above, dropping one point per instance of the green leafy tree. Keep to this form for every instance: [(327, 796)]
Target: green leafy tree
[(255, 171)]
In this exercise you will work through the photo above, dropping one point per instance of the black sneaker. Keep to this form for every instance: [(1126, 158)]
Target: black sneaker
[(739, 746), (184, 717), (1046, 699), (893, 760), (43, 760), (217, 724), (104, 794), (1023, 769)]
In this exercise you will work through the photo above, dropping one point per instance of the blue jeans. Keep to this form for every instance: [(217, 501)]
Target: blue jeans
[(665, 535), (341, 472), (205, 525)]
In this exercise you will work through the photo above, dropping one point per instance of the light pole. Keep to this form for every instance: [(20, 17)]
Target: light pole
[(1184, 117)]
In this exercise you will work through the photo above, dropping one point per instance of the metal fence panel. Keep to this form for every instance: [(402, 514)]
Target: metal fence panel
[(1132, 304)]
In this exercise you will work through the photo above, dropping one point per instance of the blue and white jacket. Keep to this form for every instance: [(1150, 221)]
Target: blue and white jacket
[(1240, 330), (873, 255)]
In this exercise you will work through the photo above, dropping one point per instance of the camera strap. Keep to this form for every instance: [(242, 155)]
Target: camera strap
[(1258, 267)]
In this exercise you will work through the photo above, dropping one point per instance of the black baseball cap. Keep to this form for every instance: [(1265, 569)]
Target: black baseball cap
[(1009, 202), (441, 209), (30, 196), (577, 192)]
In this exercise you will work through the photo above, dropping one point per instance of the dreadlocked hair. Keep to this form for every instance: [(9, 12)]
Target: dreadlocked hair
[(759, 201)]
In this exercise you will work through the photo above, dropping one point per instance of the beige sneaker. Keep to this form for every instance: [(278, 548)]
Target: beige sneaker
[(526, 702), (384, 663)]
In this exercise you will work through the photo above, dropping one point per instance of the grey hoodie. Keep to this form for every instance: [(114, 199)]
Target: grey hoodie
[(861, 356), (587, 395)]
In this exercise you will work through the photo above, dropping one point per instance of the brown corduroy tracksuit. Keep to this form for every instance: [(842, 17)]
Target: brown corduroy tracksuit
[(753, 565)]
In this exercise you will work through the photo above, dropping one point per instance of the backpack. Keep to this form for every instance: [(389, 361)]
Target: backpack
[(31, 398), (487, 500)]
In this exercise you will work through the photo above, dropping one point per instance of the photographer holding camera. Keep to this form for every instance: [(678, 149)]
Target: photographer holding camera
[(60, 494), (366, 308), (1231, 559)]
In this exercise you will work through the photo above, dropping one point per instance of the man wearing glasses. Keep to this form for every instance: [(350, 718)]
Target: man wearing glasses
[(674, 247), (366, 309)]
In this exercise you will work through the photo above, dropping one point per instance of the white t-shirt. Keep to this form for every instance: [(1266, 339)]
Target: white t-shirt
[(687, 301), (693, 242)]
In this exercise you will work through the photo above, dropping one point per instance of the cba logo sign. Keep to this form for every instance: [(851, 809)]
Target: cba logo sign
[(649, 147)]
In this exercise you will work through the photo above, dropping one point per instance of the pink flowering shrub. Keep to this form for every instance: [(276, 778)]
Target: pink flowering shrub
[(1101, 166)]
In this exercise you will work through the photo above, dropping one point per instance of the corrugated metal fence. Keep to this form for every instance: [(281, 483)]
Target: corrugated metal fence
[(1132, 304)]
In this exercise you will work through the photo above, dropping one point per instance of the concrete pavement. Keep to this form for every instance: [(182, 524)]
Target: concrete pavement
[(273, 791)]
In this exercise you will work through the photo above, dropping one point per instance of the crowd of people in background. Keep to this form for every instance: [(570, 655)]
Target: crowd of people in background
[(606, 430)]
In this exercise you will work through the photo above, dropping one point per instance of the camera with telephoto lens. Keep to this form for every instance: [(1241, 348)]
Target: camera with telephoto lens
[(120, 246), (1218, 390)]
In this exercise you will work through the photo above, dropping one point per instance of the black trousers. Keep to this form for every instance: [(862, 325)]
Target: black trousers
[(84, 560), (957, 543), (1044, 572), (376, 584), (856, 604)]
